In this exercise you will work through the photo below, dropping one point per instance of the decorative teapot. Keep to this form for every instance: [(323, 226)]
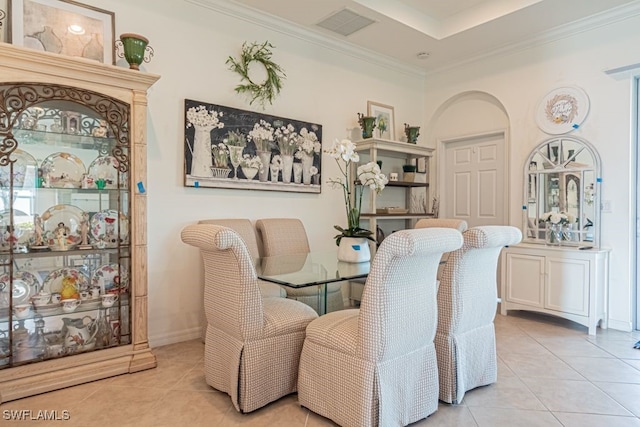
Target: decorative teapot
[(79, 334)]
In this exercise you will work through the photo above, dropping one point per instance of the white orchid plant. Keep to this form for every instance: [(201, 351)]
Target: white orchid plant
[(200, 117), (368, 175), (558, 218)]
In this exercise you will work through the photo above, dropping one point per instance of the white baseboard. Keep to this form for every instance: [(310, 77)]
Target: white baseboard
[(174, 337), (620, 325)]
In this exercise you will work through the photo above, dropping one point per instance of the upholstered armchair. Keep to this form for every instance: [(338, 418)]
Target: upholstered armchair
[(377, 365), (247, 232), (253, 344), (287, 236), (467, 300)]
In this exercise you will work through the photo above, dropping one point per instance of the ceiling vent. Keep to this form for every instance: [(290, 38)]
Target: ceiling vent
[(345, 22)]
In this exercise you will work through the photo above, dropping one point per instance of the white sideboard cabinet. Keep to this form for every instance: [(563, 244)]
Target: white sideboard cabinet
[(562, 281)]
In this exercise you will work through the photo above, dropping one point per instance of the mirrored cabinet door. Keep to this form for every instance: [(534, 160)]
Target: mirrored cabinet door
[(562, 197)]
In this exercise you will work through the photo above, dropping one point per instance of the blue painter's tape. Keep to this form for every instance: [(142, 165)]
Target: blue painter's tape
[(141, 188), (356, 247), (575, 126), (524, 208), (598, 179), (196, 184)]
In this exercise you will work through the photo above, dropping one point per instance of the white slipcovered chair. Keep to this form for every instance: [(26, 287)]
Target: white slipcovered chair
[(253, 344), (247, 232), (287, 236), (458, 224), (377, 365), (467, 300)]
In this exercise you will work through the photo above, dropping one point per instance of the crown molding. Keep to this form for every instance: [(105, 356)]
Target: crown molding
[(291, 29), (602, 19)]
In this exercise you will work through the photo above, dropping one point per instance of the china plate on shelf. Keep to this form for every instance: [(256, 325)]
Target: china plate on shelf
[(53, 282), (104, 227), (25, 171), (63, 170), (22, 222), (105, 167), (106, 277), (70, 216), (25, 285)]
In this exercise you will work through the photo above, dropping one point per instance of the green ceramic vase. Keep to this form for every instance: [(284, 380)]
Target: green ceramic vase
[(134, 49), (367, 124), (412, 132)]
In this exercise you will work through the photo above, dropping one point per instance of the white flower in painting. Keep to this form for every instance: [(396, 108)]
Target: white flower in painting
[(277, 162), (308, 142), (313, 170), (199, 116)]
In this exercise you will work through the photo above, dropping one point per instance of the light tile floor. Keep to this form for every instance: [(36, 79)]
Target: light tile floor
[(551, 373)]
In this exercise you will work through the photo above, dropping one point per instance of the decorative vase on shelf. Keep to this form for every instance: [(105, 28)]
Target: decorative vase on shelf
[(201, 160), (412, 133), (297, 173), (235, 156), (553, 234), (287, 167), (249, 173), (265, 158), (136, 49), (220, 172), (307, 162), (354, 249), (367, 124)]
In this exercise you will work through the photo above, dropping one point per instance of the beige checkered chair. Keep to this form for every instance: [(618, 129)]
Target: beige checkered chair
[(467, 299), (253, 344), (247, 232), (287, 236), (377, 365), (458, 224)]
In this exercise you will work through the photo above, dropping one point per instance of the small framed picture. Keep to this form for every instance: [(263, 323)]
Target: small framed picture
[(65, 27), (4, 20), (421, 166), (385, 122)]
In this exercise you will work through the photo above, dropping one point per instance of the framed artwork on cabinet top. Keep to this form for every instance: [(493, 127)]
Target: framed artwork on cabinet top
[(231, 148), (385, 121), (4, 20), (65, 27)]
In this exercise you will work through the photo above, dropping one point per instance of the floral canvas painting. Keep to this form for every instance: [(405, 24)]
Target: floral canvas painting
[(231, 148)]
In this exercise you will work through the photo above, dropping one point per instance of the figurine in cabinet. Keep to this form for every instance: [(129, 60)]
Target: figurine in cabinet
[(84, 232), (61, 232), (101, 130), (38, 241)]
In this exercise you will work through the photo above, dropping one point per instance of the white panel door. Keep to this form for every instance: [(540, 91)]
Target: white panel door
[(474, 187)]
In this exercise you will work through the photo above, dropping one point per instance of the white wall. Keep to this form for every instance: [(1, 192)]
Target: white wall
[(518, 81), (322, 86)]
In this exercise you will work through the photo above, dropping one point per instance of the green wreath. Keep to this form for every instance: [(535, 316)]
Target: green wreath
[(261, 92)]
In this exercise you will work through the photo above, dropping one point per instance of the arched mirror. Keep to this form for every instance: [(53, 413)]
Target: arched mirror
[(562, 183)]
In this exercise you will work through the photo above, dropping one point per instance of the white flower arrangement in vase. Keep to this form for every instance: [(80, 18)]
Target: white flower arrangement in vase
[(250, 165), (261, 135), (200, 117), (220, 155), (307, 143), (286, 137)]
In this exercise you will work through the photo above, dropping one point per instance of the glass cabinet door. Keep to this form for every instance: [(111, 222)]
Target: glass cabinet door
[(65, 254)]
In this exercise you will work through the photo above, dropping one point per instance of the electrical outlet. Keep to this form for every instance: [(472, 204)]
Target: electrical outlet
[(606, 206)]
